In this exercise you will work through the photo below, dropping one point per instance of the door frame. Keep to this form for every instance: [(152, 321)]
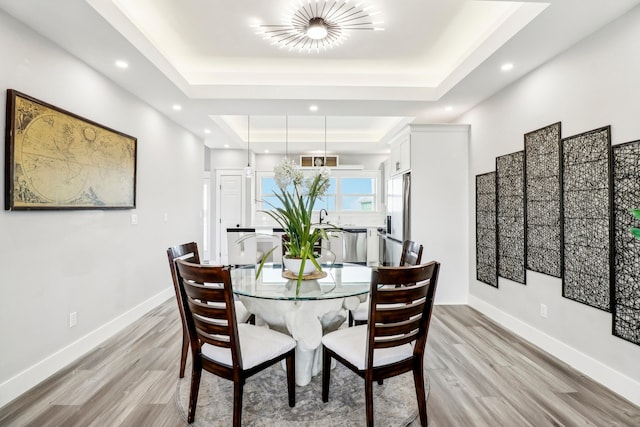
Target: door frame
[(243, 207)]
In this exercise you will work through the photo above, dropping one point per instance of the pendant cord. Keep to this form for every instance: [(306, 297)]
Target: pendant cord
[(324, 162)]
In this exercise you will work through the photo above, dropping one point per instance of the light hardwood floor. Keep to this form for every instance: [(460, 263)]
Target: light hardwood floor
[(481, 375)]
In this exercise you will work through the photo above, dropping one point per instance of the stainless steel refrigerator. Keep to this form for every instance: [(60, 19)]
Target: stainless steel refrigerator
[(398, 216)]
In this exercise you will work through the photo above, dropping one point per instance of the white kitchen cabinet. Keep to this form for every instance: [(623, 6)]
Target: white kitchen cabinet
[(401, 156)]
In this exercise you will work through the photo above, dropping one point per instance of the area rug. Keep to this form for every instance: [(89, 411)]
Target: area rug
[(265, 400)]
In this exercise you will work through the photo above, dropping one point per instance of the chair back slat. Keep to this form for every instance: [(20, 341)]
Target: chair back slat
[(400, 276), (398, 328), (397, 341), (401, 314), (404, 293), (209, 308), (398, 313)]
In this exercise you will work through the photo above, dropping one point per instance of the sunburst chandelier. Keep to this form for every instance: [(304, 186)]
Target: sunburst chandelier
[(316, 25)]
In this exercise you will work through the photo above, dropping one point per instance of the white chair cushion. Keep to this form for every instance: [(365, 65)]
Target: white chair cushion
[(351, 344), (257, 345), (361, 313), (242, 314)]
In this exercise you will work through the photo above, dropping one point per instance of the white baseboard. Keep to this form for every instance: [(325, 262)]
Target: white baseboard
[(605, 375), (30, 377)]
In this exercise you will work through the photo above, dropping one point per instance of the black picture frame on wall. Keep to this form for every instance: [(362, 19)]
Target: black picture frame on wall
[(586, 218), (625, 288), (58, 160), (486, 236), (510, 215), (542, 184)]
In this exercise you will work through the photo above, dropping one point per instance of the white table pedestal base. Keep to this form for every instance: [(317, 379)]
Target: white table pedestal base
[(306, 321)]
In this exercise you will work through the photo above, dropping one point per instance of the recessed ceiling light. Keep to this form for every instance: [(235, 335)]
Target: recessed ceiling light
[(313, 108), (177, 107), (207, 131), (226, 145), (506, 67), (122, 64), (448, 108), (266, 151)]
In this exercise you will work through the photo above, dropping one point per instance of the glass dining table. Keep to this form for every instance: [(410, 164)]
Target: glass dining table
[(320, 307)]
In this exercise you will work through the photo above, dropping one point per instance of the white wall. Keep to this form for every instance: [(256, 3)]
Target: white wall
[(94, 263), (593, 84), (439, 162)]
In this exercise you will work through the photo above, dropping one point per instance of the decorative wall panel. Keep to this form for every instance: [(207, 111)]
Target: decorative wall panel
[(542, 166), (625, 295), (586, 203), (486, 247), (510, 215)]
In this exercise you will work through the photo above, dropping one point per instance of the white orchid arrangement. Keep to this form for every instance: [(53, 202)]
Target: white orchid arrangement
[(298, 196)]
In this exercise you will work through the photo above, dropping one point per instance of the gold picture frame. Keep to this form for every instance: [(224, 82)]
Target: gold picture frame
[(55, 159)]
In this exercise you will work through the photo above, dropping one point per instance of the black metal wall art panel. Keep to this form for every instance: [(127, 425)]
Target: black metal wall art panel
[(542, 181), (510, 215), (586, 204), (486, 248), (625, 295)]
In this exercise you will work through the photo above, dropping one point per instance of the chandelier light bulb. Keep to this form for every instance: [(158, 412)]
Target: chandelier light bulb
[(317, 29)]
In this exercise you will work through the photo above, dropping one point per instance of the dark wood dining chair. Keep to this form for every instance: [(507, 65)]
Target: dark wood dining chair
[(411, 255), (219, 344), (189, 252), (394, 339)]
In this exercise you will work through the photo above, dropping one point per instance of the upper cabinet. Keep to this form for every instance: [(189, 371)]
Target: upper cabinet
[(401, 155)]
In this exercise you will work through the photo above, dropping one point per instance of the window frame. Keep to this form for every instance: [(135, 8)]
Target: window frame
[(338, 174)]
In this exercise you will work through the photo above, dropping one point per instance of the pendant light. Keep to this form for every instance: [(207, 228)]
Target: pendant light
[(324, 161), (286, 137), (248, 171)]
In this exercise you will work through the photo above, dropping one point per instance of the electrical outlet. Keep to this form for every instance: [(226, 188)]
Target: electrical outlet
[(134, 219), (543, 310), (73, 319)]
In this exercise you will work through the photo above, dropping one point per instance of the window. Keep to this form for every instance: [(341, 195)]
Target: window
[(358, 194), (349, 191)]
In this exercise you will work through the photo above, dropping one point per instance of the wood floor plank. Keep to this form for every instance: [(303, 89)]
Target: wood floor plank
[(480, 375)]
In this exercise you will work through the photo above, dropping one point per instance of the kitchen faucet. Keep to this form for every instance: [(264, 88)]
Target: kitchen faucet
[(322, 217)]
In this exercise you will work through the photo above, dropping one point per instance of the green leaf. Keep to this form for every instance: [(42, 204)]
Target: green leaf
[(635, 213), (264, 259), (635, 232)]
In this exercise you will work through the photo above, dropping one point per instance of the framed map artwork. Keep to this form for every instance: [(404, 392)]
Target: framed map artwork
[(55, 159)]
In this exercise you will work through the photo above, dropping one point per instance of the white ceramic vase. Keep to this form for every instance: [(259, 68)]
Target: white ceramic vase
[(293, 265)]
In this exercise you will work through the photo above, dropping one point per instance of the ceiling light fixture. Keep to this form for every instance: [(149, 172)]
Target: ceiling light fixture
[(122, 64), (313, 108), (317, 29), (506, 67), (315, 25)]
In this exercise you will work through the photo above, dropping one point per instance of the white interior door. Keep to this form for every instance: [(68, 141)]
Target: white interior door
[(230, 207)]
